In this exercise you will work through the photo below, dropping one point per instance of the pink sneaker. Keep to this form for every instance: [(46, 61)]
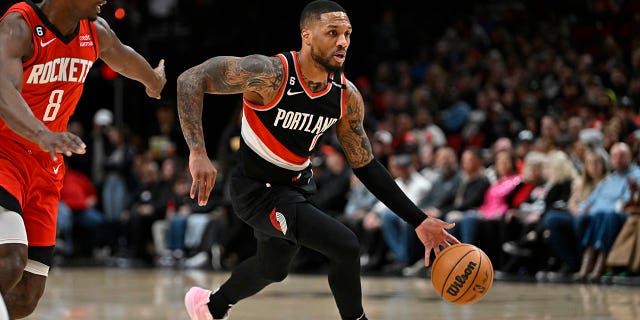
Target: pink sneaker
[(196, 301)]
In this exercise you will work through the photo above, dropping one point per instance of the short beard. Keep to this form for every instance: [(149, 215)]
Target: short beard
[(326, 63)]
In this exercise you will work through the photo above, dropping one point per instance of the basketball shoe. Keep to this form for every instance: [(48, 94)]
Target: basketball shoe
[(196, 301)]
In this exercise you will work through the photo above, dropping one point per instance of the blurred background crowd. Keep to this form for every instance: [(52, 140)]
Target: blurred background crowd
[(518, 120)]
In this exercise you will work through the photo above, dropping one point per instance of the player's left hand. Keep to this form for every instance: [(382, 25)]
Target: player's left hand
[(433, 235), (155, 89)]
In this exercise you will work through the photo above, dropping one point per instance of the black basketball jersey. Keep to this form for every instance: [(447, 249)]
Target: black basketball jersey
[(285, 131)]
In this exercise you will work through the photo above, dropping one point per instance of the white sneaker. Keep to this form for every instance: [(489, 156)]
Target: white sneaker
[(197, 261)]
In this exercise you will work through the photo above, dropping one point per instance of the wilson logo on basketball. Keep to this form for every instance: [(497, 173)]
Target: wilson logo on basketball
[(460, 280), (278, 221)]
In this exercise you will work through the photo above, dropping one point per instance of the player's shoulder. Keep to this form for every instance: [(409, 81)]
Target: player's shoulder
[(261, 58), (351, 87), (15, 28), (262, 63), (15, 22), (101, 24)]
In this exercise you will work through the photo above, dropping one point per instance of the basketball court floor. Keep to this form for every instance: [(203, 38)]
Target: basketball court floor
[(103, 293)]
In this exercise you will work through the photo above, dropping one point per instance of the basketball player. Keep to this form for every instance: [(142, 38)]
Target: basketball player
[(46, 51), (290, 100)]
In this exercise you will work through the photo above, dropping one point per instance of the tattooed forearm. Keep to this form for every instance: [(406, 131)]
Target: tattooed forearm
[(190, 93), (351, 132)]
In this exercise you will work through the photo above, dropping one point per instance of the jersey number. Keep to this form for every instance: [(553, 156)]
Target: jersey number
[(54, 105), (315, 141)]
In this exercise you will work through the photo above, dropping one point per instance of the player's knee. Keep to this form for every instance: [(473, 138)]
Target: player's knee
[(349, 246), (13, 259)]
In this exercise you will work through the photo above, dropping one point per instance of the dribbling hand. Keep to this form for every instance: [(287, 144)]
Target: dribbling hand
[(155, 90), (433, 235), (60, 142), (204, 176)]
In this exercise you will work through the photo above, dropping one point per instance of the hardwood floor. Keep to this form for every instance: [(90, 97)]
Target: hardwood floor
[(102, 293)]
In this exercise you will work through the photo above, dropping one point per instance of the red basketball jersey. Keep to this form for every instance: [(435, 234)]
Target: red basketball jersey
[(54, 76)]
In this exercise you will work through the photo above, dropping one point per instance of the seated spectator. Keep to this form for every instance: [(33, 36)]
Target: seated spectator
[(500, 145), (147, 206), (115, 166), (624, 257), (333, 183), (399, 235), (206, 230), (558, 222), (473, 185), (80, 221), (526, 201), (604, 211), (360, 201), (471, 223), (169, 233), (441, 199), (559, 173)]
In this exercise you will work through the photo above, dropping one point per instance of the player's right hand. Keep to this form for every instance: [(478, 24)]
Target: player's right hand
[(155, 89), (204, 176), (60, 142), (433, 235)]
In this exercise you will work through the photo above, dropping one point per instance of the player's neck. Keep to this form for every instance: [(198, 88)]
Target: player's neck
[(313, 75), (60, 17)]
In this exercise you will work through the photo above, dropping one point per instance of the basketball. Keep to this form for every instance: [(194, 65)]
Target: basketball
[(462, 274)]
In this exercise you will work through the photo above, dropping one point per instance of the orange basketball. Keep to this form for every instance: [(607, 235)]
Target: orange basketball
[(462, 274)]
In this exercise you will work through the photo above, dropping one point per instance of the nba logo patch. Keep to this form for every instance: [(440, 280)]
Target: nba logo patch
[(278, 221)]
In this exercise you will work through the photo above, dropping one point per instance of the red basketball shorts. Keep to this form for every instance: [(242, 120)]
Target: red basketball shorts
[(35, 180)]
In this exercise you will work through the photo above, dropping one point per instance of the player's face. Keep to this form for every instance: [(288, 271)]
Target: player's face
[(330, 40), (89, 9)]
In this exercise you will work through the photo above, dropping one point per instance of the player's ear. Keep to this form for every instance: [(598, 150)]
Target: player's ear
[(306, 36)]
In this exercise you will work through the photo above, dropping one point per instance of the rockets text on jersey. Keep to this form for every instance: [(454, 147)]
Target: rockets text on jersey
[(54, 76)]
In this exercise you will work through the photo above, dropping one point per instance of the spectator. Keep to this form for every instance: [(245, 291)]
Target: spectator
[(526, 204), (558, 222), (559, 174), (83, 221), (441, 199), (146, 207), (117, 168), (603, 211), (500, 145), (473, 185), (359, 203), (469, 224), (333, 183), (398, 234)]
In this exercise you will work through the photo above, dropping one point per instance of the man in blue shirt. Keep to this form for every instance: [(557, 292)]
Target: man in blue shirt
[(602, 215)]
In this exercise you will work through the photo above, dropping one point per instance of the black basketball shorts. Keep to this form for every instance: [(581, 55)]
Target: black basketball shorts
[(269, 208)]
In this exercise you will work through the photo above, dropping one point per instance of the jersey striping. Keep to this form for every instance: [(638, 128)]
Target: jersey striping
[(285, 132)]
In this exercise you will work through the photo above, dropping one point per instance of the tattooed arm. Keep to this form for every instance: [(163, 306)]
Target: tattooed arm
[(257, 77), (350, 130)]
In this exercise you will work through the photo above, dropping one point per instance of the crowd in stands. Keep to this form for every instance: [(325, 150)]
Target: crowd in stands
[(521, 127)]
